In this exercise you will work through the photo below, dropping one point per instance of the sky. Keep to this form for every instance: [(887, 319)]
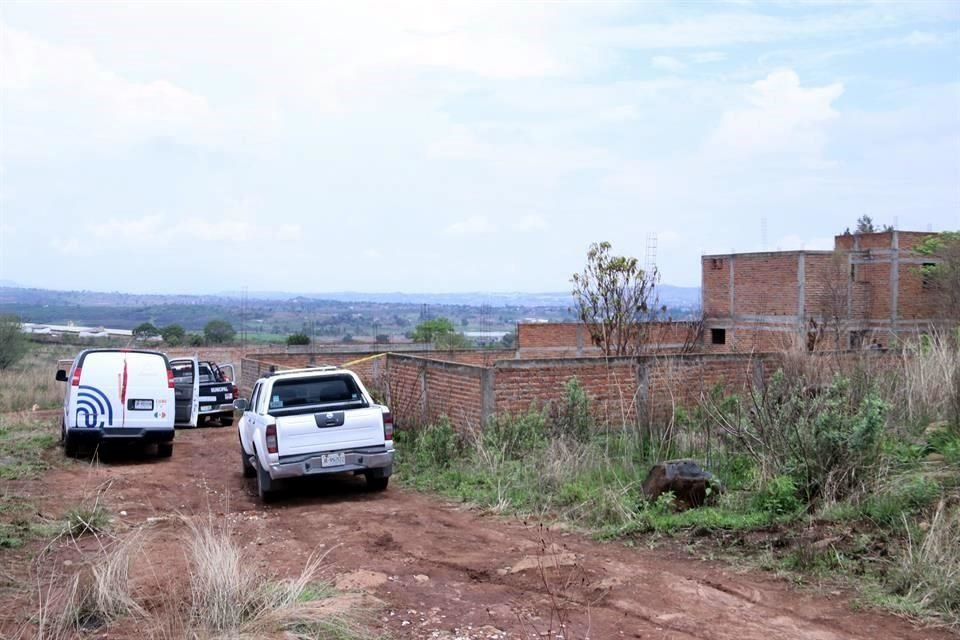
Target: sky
[(197, 147)]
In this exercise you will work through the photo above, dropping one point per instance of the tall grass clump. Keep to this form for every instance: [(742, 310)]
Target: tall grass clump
[(927, 572)]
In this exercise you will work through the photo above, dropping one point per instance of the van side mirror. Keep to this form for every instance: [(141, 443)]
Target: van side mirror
[(61, 375), (240, 404)]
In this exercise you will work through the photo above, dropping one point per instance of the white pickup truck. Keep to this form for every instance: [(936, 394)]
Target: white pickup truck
[(310, 421)]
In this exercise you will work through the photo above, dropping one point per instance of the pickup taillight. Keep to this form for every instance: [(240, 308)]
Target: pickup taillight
[(170, 383), (236, 391), (271, 436), (387, 425)]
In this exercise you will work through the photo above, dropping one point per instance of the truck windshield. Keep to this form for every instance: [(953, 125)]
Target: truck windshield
[(315, 393)]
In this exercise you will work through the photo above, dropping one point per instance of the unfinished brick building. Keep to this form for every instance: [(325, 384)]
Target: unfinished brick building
[(868, 291)]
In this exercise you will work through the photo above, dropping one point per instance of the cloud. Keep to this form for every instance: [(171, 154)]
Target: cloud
[(533, 222), (156, 232), (667, 63), (91, 105), (708, 56), (474, 225), (783, 117)]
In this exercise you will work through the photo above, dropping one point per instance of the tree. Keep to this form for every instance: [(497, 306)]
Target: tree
[(432, 330), (452, 341), (13, 342), (298, 339), (195, 340), (145, 330), (865, 225), (509, 341), (614, 298), (173, 334), (941, 276), (219, 332)]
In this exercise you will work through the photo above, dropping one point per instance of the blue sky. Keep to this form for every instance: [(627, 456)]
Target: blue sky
[(426, 147)]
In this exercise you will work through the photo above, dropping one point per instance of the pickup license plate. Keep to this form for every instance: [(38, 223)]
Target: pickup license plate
[(141, 405), (333, 460), (218, 389)]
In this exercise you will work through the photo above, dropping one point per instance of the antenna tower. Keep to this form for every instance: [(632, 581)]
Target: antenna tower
[(650, 261)]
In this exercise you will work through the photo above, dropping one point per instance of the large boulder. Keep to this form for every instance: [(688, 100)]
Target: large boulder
[(684, 478)]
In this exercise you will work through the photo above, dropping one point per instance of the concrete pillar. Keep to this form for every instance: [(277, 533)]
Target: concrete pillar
[(488, 401)]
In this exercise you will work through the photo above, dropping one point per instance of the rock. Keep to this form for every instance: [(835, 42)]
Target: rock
[(421, 578), (684, 478), (935, 457)]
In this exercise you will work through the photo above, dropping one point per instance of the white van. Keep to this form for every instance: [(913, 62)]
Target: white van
[(118, 395)]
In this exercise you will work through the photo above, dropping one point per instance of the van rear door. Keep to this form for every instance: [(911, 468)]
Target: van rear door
[(96, 381), (145, 392)]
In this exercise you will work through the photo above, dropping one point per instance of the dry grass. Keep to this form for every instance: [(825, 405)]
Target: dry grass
[(228, 596), (31, 382), (928, 572)]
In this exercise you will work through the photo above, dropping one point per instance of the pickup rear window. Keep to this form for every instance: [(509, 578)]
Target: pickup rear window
[(315, 393)]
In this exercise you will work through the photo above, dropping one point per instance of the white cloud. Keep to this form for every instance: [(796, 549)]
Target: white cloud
[(474, 225), (708, 56), (667, 63), (533, 222), (66, 98), (783, 117), (156, 232)]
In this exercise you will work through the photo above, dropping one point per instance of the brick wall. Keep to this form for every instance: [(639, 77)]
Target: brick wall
[(572, 339), (420, 390)]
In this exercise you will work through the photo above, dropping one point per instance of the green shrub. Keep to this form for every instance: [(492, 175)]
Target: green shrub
[(512, 437), (572, 418), (436, 444), (778, 497)]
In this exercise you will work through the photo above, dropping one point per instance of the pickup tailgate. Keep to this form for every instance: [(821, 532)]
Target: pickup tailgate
[(214, 394), (329, 431)]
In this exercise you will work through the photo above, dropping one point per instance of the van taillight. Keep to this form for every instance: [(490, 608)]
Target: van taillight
[(76, 378), (271, 438), (170, 378), (388, 426)]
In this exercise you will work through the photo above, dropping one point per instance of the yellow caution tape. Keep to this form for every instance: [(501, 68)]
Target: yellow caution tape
[(353, 362)]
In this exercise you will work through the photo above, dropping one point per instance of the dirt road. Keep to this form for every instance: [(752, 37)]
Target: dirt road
[(445, 572)]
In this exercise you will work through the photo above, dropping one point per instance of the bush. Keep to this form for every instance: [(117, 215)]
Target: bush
[(13, 342), (173, 335), (511, 437), (572, 417), (436, 445), (828, 439), (778, 497), (297, 339)]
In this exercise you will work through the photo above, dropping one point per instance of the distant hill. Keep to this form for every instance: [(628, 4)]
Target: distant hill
[(669, 295)]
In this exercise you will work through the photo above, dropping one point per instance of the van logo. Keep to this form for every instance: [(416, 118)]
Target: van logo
[(93, 408)]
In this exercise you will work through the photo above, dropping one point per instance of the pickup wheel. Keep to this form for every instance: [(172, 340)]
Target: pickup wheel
[(226, 420), (264, 482), (165, 449), (375, 483), (249, 470)]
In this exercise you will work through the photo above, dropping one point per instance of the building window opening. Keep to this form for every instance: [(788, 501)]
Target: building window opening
[(718, 336), (858, 339), (716, 264)]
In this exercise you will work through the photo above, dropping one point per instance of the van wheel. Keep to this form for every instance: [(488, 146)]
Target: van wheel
[(264, 483), (375, 483), (249, 470), (70, 447), (165, 449)]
